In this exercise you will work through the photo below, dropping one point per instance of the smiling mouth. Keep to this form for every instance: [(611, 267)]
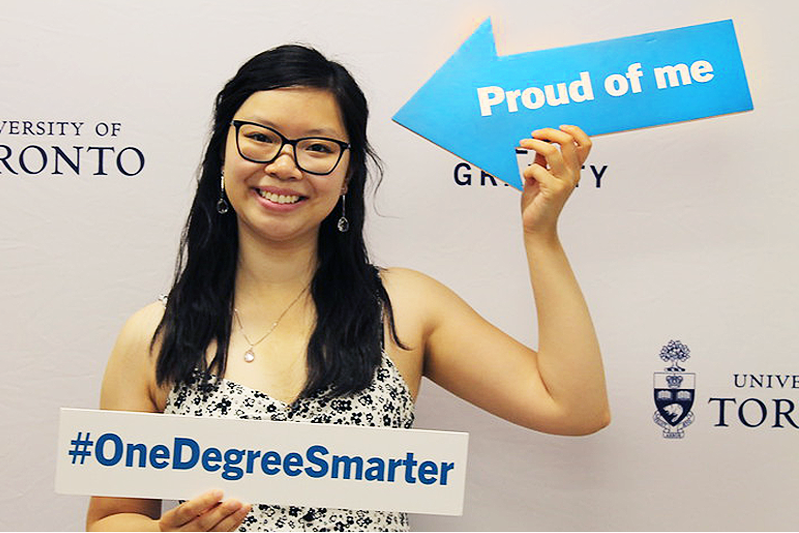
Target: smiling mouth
[(279, 198)]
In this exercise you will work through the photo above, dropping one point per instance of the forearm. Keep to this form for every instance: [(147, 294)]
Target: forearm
[(569, 358), (124, 522)]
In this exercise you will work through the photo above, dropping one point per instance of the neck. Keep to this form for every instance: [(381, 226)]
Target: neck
[(270, 274)]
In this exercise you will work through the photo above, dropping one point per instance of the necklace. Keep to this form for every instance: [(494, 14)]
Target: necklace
[(249, 355)]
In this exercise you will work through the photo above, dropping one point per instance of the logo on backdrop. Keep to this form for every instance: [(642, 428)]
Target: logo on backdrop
[(758, 402), (466, 175), (674, 392), (754, 406), (66, 148)]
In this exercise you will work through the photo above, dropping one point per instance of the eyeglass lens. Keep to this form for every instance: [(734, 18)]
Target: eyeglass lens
[(315, 155)]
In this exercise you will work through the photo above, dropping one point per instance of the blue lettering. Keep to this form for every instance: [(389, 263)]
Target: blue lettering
[(269, 461), (409, 464), (347, 461), (252, 455), (392, 466), (99, 448), (179, 463), (142, 449), (445, 468), (233, 457), (425, 469), (159, 456), (291, 463), (311, 455), (377, 470), (211, 456)]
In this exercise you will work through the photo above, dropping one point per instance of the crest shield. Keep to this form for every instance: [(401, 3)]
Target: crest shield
[(674, 395)]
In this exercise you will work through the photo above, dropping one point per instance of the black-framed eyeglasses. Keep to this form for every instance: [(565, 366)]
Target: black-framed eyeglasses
[(262, 144)]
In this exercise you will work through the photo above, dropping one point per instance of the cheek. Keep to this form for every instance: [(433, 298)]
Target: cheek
[(230, 155), (237, 170), (336, 187)]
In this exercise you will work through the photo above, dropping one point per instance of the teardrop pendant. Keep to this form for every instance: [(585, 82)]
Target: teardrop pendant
[(249, 356), (222, 206)]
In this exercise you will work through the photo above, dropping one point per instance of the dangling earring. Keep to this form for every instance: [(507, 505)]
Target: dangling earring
[(222, 206), (343, 224)]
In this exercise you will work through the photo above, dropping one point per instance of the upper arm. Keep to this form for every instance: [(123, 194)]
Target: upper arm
[(473, 359), (129, 379), (129, 385)]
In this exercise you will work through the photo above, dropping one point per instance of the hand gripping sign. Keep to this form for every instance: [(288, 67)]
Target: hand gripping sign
[(145, 455), (478, 105)]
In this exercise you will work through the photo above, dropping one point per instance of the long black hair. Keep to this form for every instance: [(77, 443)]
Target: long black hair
[(345, 347)]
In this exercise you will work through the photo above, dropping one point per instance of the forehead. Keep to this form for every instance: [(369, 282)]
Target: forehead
[(295, 111)]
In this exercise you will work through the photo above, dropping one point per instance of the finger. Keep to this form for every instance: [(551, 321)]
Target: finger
[(234, 520), (551, 154), (190, 510), (583, 141), (538, 174), (566, 142), (210, 520)]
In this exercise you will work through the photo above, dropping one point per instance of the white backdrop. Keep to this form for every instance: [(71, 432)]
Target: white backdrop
[(692, 235)]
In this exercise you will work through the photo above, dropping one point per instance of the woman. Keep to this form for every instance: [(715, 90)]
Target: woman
[(277, 313)]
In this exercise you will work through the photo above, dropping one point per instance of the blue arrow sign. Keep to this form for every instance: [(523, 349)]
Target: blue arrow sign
[(478, 105)]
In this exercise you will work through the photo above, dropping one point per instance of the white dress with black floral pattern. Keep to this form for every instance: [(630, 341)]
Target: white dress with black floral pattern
[(387, 402)]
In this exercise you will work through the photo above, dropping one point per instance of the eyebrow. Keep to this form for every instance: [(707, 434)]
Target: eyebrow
[(328, 132)]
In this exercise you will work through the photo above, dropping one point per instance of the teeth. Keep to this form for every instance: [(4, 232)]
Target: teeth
[(279, 198)]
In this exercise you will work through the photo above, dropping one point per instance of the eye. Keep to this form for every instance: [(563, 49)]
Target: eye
[(320, 147), (260, 137)]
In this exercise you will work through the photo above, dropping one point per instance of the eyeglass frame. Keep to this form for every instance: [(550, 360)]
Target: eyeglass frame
[(291, 142)]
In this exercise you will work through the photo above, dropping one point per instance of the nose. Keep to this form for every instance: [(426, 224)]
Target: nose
[(284, 165)]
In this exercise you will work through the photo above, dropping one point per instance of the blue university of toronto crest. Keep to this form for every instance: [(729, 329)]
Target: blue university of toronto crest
[(674, 392)]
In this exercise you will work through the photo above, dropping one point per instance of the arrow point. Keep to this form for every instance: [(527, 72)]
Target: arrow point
[(480, 44), (431, 109), (475, 54)]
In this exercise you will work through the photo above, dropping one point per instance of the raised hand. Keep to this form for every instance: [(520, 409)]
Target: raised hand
[(550, 180)]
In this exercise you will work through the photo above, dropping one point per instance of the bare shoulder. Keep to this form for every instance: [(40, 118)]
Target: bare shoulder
[(406, 282), (413, 295), (143, 322), (129, 380), (401, 275), (417, 292), (136, 336)]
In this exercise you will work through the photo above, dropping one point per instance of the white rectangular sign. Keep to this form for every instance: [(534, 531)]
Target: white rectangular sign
[(146, 455)]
